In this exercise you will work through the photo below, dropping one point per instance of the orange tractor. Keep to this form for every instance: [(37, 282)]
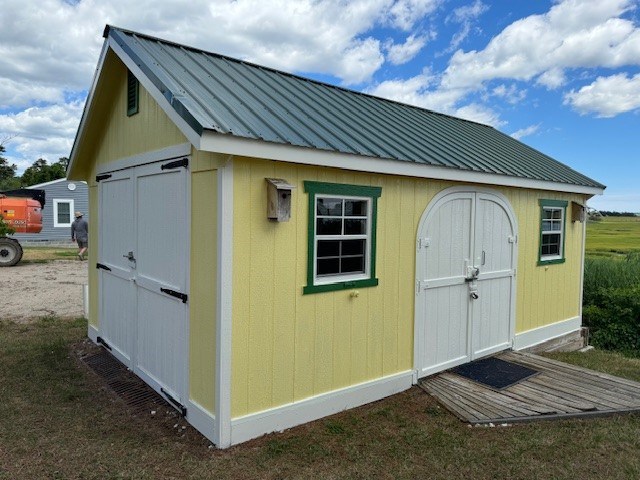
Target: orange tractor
[(21, 212)]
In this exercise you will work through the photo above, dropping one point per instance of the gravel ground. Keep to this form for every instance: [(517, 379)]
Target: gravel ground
[(31, 290)]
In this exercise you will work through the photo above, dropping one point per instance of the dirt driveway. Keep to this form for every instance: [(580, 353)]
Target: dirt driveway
[(31, 290)]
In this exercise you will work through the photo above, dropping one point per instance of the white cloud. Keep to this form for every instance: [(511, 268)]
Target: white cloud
[(465, 16), (40, 132), (405, 13), (525, 132), (468, 12), (510, 93), (399, 54), (607, 96), (574, 33), (552, 78)]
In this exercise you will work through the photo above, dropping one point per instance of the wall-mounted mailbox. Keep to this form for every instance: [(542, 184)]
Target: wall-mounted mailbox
[(278, 199), (578, 212)]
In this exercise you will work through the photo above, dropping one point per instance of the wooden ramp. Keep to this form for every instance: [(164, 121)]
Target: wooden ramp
[(558, 391)]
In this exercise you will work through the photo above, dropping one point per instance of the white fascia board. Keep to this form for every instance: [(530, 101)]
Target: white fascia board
[(46, 184), (183, 126), (87, 107), (228, 144)]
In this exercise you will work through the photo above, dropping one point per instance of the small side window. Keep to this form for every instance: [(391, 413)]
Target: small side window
[(342, 236), (552, 231), (133, 93)]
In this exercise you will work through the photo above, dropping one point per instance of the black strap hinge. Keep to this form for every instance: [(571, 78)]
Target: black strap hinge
[(181, 408), (182, 296), (184, 162), (101, 341), (103, 177), (103, 267)]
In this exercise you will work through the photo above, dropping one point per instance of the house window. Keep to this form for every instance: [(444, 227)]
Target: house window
[(62, 212), (552, 231), (133, 94), (342, 236)]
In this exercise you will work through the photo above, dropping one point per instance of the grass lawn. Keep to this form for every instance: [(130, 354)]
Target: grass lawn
[(56, 421), (613, 236), (47, 254)]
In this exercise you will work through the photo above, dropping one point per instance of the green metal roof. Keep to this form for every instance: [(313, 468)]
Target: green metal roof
[(233, 97)]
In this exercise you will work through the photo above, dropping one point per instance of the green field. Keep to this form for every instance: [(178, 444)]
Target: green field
[(613, 236)]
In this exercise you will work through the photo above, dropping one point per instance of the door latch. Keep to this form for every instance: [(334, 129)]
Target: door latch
[(129, 256), (472, 274)]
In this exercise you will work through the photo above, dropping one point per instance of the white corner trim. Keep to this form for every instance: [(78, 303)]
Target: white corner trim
[(313, 408), (92, 333), (201, 419), (229, 144), (539, 335), (167, 153), (224, 307)]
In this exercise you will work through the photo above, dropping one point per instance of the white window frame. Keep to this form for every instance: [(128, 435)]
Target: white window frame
[(56, 202), (343, 277), (553, 206)]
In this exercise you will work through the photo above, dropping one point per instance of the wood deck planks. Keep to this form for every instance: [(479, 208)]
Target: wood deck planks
[(559, 390)]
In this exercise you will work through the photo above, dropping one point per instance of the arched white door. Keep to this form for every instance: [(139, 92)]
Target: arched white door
[(466, 262)]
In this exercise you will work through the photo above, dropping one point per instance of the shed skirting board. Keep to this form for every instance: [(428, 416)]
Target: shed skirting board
[(201, 419), (313, 408), (548, 332), (93, 333)]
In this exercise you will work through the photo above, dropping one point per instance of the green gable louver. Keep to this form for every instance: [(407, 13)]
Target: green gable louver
[(228, 96)]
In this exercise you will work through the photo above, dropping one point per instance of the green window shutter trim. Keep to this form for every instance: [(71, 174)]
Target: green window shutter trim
[(133, 94), (324, 188), (557, 204)]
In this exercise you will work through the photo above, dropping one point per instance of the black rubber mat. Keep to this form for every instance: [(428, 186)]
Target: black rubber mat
[(494, 373)]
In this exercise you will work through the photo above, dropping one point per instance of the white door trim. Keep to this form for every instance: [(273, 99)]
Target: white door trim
[(419, 313)]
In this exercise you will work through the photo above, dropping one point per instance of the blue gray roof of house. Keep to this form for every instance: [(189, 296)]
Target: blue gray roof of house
[(229, 96)]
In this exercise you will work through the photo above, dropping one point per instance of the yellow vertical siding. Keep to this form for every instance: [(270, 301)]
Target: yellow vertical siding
[(111, 134), (288, 346), (203, 279), (545, 293)]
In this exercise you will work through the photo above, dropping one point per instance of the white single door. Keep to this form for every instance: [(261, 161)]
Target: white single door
[(162, 241), (143, 264), (115, 271), (466, 259)]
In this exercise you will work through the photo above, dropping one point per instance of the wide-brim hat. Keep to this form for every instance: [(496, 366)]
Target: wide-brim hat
[(78, 214)]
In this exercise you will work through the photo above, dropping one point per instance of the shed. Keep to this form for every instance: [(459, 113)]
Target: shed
[(63, 197), (403, 242)]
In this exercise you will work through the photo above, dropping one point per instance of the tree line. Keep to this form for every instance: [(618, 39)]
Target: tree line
[(39, 172)]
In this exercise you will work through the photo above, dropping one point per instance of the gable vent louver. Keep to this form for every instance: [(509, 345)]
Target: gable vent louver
[(133, 89)]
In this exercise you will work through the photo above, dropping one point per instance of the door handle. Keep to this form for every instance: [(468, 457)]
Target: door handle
[(484, 257)]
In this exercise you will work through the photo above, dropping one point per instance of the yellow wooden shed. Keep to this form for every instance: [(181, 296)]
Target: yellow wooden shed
[(267, 250)]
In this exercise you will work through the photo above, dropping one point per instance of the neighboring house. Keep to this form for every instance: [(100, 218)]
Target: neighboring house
[(408, 241), (62, 198)]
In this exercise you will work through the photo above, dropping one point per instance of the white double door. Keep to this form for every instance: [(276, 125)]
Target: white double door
[(143, 268), (465, 287)]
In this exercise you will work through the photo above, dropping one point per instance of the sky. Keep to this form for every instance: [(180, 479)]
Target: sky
[(562, 76)]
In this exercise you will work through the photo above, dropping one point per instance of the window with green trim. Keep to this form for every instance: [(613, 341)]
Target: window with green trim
[(133, 94), (552, 231), (342, 236)]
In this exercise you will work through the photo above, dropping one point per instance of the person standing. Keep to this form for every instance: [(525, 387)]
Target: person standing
[(80, 234)]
